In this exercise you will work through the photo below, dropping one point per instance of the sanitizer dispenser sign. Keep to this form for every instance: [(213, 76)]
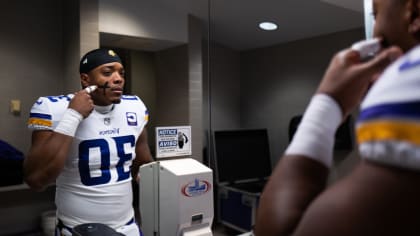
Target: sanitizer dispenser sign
[(172, 141)]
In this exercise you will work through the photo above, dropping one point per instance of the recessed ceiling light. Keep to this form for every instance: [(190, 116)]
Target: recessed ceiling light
[(268, 25)]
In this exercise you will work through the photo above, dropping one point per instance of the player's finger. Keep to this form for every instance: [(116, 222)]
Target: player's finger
[(382, 60)]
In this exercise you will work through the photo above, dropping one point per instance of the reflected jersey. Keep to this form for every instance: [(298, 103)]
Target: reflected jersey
[(95, 184)]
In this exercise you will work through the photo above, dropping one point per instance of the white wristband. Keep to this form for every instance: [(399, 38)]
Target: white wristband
[(69, 122), (315, 135)]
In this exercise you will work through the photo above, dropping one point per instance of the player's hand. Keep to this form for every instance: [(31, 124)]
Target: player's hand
[(82, 103), (347, 79)]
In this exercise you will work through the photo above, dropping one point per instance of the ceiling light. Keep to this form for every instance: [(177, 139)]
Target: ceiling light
[(268, 25)]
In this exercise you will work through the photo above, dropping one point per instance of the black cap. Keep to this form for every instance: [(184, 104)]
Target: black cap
[(97, 57)]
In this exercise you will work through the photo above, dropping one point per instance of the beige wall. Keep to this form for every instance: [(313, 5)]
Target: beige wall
[(145, 19), (225, 99), (143, 84), (40, 47), (266, 87), (31, 63), (278, 82), (196, 34)]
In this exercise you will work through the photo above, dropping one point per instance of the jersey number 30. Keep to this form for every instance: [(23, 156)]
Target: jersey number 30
[(103, 145)]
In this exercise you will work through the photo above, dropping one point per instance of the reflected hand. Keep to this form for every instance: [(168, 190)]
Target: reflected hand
[(347, 79), (82, 103)]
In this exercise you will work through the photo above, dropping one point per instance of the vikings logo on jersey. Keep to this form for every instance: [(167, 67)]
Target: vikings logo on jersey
[(131, 118)]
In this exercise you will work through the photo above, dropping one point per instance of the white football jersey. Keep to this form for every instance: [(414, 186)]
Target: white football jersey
[(389, 122), (95, 184)]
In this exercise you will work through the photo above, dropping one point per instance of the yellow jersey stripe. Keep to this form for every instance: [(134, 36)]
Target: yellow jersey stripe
[(389, 130), (41, 122)]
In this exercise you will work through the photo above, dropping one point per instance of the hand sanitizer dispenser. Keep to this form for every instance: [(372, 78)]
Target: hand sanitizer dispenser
[(176, 198)]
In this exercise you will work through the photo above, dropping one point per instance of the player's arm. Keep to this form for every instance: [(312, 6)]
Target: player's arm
[(49, 148), (46, 158), (301, 174), (143, 154)]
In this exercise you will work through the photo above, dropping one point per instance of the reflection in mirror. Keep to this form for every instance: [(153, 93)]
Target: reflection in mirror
[(31, 43), (162, 43), (262, 79)]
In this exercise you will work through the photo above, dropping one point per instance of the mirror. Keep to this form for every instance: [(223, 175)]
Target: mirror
[(261, 79), (203, 63), (163, 42)]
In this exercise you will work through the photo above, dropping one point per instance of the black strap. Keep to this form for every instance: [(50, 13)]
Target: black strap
[(61, 226)]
